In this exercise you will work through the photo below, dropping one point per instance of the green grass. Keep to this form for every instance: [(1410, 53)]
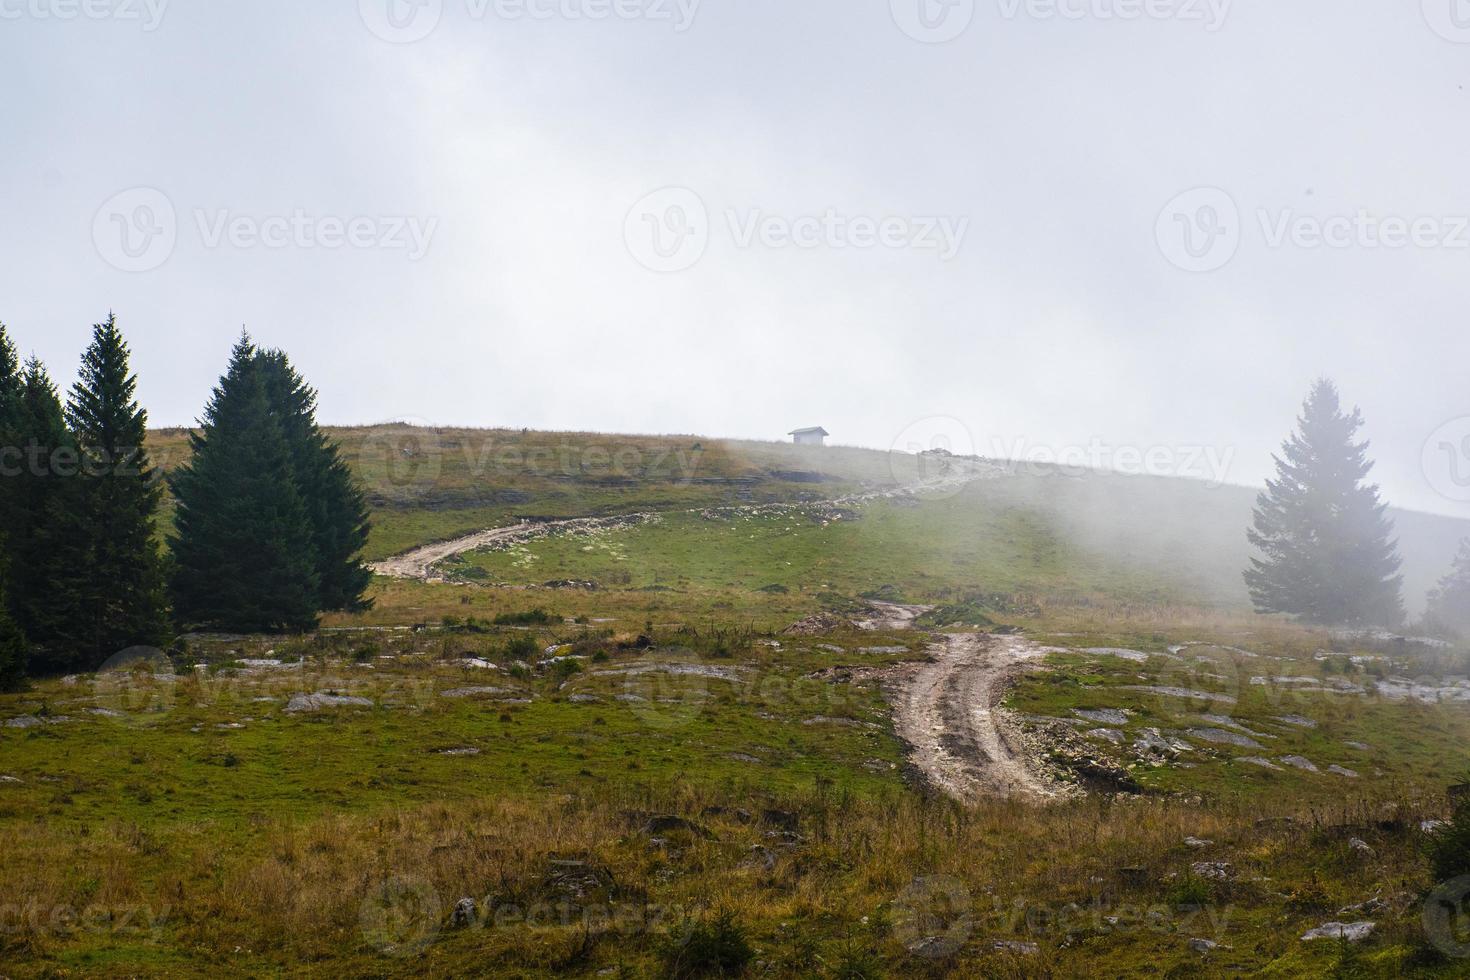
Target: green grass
[(255, 850)]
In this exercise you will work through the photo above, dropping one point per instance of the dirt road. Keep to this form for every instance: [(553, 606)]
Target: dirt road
[(420, 562), (949, 713), (948, 710)]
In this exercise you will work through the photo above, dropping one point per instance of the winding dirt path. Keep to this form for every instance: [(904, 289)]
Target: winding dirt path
[(948, 712), (420, 562)]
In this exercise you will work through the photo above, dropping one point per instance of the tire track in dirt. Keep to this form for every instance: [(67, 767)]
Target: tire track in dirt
[(948, 711)]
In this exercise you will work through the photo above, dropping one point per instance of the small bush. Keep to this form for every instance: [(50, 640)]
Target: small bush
[(1449, 846), (522, 648), (712, 948), (1191, 890), (535, 617), (563, 669)]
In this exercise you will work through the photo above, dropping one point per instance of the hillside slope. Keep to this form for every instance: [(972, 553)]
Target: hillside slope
[(1184, 536)]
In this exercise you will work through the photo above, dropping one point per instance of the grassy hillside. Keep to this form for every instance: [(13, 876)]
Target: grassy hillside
[(1036, 529), (605, 755)]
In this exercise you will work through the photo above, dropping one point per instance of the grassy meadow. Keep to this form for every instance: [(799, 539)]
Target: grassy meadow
[(638, 772)]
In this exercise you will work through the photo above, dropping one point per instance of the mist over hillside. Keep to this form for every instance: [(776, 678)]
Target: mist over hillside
[(432, 484)]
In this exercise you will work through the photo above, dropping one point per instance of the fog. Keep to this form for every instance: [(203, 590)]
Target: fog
[(1120, 234)]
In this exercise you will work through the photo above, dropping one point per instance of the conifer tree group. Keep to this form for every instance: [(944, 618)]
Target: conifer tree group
[(1328, 555), (269, 522)]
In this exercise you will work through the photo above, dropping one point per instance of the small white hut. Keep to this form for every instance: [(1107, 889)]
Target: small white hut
[(816, 436)]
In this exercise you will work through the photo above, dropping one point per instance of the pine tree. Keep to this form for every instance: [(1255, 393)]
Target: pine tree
[(12, 651), (1449, 605), (11, 387), (42, 498), (244, 551), (1328, 556), (108, 593), (334, 502)]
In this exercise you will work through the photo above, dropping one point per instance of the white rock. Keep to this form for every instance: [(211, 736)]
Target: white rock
[(1353, 932), (302, 703)]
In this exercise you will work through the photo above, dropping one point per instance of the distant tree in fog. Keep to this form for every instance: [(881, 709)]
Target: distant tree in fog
[(1327, 553), (1449, 605)]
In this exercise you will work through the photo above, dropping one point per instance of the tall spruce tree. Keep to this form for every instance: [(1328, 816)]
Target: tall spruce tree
[(43, 497), (12, 385), (243, 544), (335, 504), (108, 592), (1327, 552), (1449, 605), (13, 653)]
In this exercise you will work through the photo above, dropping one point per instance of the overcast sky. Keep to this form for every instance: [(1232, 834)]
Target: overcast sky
[(1085, 228)]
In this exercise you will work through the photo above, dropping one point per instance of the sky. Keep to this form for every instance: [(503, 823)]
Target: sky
[(1126, 233)]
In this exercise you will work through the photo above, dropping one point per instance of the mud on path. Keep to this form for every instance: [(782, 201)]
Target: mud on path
[(948, 711)]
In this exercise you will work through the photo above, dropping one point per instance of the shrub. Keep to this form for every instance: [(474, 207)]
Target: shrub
[(522, 648), (1449, 846), (535, 617), (563, 669), (1191, 890), (711, 948)]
